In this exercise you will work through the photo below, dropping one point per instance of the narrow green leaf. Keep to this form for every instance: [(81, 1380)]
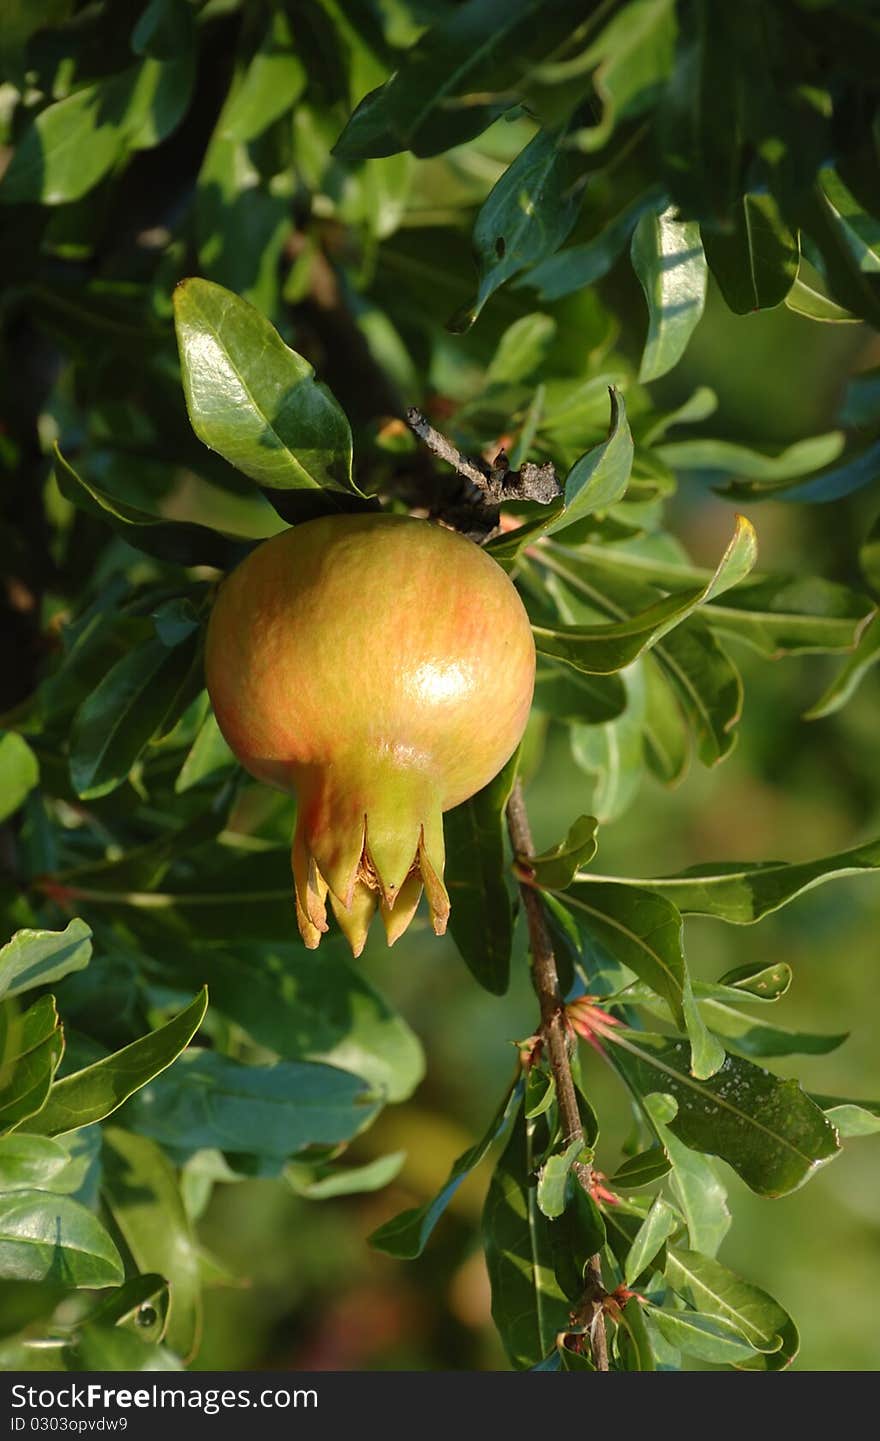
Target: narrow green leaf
[(600, 649), (727, 458), (31, 1163), (210, 1100), (36, 958), (521, 349), (647, 938), (641, 1170), (850, 676), (661, 1222), (53, 1238), (19, 772), (129, 705), (180, 542), (481, 919), (303, 1012), (554, 869), (705, 1337), (596, 481), (668, 259), (141, 1192), (553, 1179), (768, 1130), (460, 76), (31, 1047), (719, 1292), (207, 758), (744, 892), (584, 264), (527, 215), (575, 1237), (273, 81), (756, 261), (98, 1090), (253, 399), (344, 1181), (851, 1118), (693, 1180), (528, 1305), (407, 1234)]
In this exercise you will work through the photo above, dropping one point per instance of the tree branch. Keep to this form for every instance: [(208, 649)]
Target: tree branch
[(554, 1034), (487, 484)]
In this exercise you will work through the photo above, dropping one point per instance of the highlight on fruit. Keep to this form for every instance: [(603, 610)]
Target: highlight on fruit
[(382, 669)]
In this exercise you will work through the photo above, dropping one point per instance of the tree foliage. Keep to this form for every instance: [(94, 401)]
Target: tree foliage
[(238, 241)]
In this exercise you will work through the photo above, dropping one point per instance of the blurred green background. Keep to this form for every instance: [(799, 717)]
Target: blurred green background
[(316, 1295)]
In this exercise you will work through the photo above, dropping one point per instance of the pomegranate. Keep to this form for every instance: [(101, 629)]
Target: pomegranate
[(382, 668)]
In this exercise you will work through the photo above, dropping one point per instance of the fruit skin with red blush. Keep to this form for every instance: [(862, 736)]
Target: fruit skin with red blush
[(382, 668)]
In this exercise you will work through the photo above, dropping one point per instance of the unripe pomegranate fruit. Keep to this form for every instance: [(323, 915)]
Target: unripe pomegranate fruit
[(382, 668)]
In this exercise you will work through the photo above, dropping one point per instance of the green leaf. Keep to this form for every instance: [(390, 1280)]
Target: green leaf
[(36, 958), (569, 695), (207, 758), (775, 614), (553, 1179), (756, 261), (640, 1170), (856, 473), (575, 1237), (302, 1011), (141, 1192), (344, 1181), (594, 483), (69, 146), (108, 1348), (601, 476), (179, 542), (661, 1222), (614, 754), (765, 983), (31, 1046), (706, 682), (600, 649), (481, 919), (694, 1182), (459, 77), (273, 81), (807, 299), (98, 1090), (705, 1337), (24, 1302), (253, 399), (554, 869), (582, 265), (135, 699), (19, 772), (629, 62), (406, 1235), (668, 259), (130, 1305), (53, 1238), (743, 892), (850, 676), (32, 1163), (768, 1130), (521, 349), (752, 1038), (851, 1118), (727, 458), (647, 938), (275, 1111), (528, 1305), (527, 215), (720, 1293)]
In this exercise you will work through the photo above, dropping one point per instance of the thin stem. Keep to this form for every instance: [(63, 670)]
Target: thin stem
[(555, 1037)]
